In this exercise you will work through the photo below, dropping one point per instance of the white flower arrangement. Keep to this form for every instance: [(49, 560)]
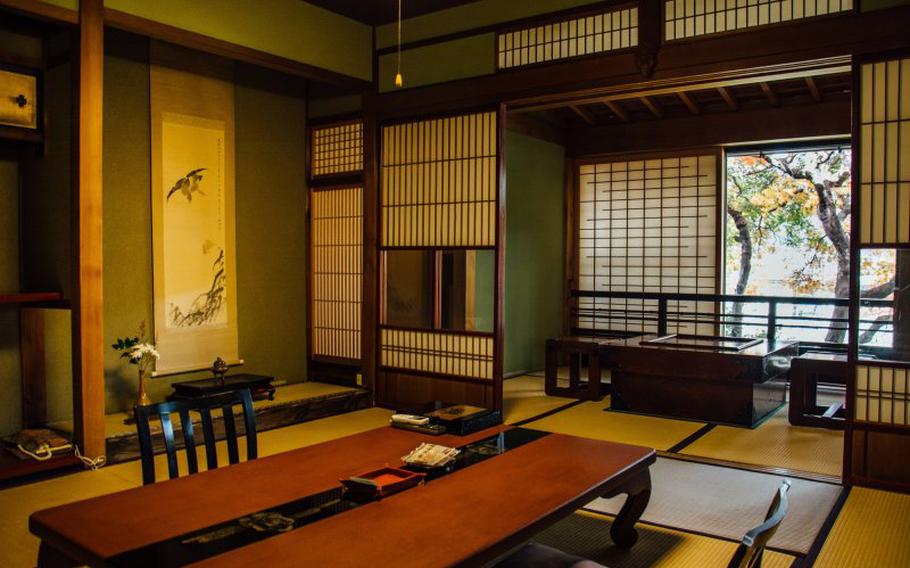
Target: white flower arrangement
[(143, 354)]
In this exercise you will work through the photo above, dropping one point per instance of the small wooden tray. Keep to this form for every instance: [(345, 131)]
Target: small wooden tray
[(382, 482)]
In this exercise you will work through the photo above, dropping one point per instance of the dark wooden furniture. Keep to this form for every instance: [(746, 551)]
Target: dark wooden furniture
[(578, 350), (806, 371), (260, 387), (752, 547), (443, 523), (702, 383), (204, 406)]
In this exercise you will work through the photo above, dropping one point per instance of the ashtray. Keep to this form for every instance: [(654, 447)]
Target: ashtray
[(382, 482)]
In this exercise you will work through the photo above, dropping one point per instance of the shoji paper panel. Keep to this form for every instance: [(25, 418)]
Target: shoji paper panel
[(646, 226), (439, 182), (337, 271), (438, 352), (337, 149), (882, 395), (568, 38), (693, 18), (885, 152)]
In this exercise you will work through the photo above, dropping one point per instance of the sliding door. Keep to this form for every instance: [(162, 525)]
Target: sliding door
[(646, 225), (441, 247), (878, 430), (336, 251)]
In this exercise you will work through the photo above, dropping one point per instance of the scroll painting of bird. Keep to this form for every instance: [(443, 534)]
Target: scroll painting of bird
[(187, 185)]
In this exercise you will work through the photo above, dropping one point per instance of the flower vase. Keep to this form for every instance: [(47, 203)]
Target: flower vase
[(143, 399)]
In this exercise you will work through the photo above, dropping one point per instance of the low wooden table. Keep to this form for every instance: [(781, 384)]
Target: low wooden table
[(260, 386), (465, 518), (699, 383)]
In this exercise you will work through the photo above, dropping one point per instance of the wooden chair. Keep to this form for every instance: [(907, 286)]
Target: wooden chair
[(204, 406), (752, 546)]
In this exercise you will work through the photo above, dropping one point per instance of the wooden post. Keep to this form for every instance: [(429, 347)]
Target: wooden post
[(34, 368), (370, 313), (88, 322)]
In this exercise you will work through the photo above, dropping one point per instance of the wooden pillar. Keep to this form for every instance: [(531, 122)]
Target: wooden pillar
[(88, 323), (370, 283)]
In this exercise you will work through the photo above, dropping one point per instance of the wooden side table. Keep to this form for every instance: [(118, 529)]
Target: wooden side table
[(576, 348), (260, 387)]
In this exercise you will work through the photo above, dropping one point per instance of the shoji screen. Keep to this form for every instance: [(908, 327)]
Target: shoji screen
[(646, 226), (336, 241), (439, 182), (878, 433), (567, 38), (693, 18), (885, 143), (337, 260), (439, 191)]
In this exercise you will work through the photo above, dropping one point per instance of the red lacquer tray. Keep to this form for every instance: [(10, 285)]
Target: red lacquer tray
[(382, 482)]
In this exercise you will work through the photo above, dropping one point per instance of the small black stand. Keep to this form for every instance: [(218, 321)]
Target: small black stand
[(260, 387)]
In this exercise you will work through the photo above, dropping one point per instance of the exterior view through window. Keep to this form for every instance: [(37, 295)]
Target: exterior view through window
[(788, 234)]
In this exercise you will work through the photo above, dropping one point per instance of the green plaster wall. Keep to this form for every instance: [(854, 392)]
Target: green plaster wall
[(270, 139), (535, 229), (468, 16), (458, 59), (289, 28), (328, 106)]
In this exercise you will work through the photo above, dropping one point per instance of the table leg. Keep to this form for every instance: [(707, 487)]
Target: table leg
[(638, 490), (50, 557)]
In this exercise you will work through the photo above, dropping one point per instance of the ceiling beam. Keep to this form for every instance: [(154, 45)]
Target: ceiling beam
[(813, 89), (770, 94), (584, 114), (689, 102), (652, 106), (617, 109), (834, 66), (729, 98)]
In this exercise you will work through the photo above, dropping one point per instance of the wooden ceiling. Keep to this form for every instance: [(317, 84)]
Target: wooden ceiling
[(378, 12), (697, 100)]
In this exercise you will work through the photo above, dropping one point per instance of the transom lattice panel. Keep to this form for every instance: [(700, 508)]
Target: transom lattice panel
[(693, 18), (337, 149), (885, 152), (337, 260), (882, 395), (647, 226), (568, 38), (439, 182), (438, 352)]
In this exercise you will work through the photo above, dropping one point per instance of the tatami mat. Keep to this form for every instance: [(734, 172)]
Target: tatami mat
[(726, 502), (587, 535), (871, 530), (524, 397), (775, 443), (19, 548), (590, 421)]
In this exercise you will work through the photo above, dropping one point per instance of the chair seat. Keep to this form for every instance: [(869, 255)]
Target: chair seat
[(534, 555)]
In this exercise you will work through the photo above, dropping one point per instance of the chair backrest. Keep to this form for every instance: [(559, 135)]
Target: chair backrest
[(204, 406), (752, 546)]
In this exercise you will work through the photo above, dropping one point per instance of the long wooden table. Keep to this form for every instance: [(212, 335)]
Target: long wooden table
[(468, 517)]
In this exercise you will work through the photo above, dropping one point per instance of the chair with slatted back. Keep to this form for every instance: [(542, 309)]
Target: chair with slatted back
[(204, 406), (752, 546)]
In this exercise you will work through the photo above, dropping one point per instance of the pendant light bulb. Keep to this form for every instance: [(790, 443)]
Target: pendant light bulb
[(398, 79)]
